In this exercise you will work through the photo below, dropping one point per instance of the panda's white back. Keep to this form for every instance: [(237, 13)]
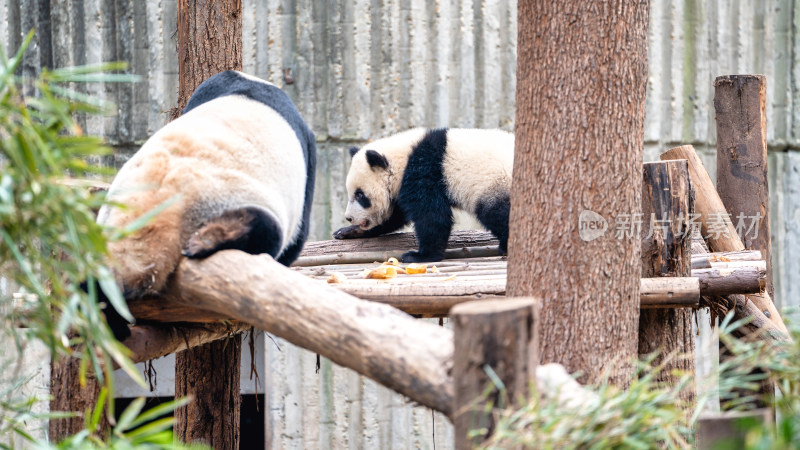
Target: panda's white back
[(477, 163), (228, 151)]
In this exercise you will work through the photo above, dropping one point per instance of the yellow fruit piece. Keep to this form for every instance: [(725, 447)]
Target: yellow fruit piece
[(382, 273), (391, 262), (414, 268), (337, 277), (434, 269)]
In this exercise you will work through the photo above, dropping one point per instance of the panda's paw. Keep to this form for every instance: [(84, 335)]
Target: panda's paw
[(351, 232), (415, 257), (199, 246)]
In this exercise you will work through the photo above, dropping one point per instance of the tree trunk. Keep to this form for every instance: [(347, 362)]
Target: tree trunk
[(581, 75), (209, 41), (69, 396), (667, 197)]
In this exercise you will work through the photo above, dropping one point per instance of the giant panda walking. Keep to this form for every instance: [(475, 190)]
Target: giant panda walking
[(420, 175), (235, 171)]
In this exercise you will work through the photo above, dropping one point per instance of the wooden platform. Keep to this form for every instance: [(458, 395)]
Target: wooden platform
[(472, 270), (434, 293)]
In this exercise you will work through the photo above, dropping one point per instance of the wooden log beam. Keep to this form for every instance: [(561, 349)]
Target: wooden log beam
[(706, 260), (669, 292), (721, 236), (152, 341), (501, 335), (380, 342), (726, 281), (402, 242)]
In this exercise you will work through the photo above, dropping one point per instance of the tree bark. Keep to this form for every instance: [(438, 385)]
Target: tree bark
[(69, 396), (209, 41), (498, 335), (667, 199), (581, 76)]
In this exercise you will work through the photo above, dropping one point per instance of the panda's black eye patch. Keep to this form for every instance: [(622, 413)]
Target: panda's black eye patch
[(362, 199)]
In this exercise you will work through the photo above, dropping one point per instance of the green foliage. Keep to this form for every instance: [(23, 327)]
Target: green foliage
[(134, 429), (641, 417), (779, 362), (650, 415), (50, 244)]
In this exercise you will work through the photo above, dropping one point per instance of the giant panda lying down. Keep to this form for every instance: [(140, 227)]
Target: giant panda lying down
[(236, 171), (420, 175)]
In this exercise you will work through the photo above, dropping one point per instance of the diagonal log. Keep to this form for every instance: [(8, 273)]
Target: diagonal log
[(409, 356)]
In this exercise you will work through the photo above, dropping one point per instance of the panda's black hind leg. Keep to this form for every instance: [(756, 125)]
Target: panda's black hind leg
[(250, 229), (493, 214)]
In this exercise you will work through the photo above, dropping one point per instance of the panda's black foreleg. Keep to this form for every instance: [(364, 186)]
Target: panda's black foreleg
[(493, 214), (250, 229), (433, 231)]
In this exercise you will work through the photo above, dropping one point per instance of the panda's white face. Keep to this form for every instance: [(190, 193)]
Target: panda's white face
[(373, 181), (368, 190)]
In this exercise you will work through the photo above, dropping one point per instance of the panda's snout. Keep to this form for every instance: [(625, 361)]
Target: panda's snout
[(349, 219)]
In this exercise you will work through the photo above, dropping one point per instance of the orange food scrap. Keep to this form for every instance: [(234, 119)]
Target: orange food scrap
[(415, 268), (382, 273), (337, 277)]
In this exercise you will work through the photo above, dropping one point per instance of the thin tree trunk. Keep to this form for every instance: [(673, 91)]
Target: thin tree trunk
[(209, 41), (69, 396), (581, 75)]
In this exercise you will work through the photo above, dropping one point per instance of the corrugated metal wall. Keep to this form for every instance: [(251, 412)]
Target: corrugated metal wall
[(361, 69)]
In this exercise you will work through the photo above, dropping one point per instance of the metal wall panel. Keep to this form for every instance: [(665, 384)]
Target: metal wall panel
[(363, 69)]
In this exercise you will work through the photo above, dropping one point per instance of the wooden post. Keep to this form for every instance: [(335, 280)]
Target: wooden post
[(740, 106), (721, 237), (209, 41), (740, 103), (499, 337), (667, 199)]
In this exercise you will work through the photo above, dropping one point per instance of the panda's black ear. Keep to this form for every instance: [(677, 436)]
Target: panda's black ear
[(353, 151), (375, 159)]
